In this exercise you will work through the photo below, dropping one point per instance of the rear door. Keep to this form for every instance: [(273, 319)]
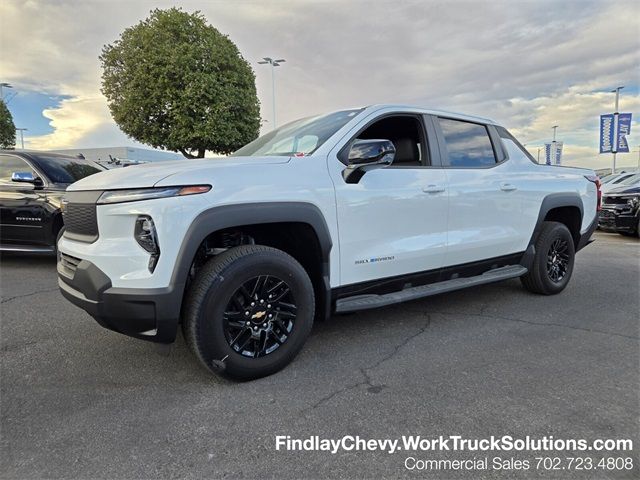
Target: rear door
[(22, 217), (484, 211)]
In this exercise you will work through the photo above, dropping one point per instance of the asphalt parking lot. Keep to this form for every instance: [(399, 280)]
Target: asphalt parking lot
[(78, 401)]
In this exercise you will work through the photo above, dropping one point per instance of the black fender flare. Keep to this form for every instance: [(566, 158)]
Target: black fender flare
[(227, 216), (551, 201)]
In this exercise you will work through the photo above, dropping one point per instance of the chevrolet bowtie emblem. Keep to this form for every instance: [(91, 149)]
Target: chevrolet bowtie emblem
[(258, 315)]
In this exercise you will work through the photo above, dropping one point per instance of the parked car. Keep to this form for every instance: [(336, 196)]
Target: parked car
[(31, 188), (618, 180), (628, 181), (348, 211), (621, 210)]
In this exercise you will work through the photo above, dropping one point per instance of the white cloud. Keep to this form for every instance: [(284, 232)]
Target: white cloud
[(528, 64)]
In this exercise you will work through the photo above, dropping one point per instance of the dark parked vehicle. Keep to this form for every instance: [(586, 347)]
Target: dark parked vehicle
[(31, 188), (621, 210)]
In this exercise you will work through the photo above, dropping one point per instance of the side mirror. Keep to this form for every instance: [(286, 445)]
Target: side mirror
[(365, 155), (26, 177)]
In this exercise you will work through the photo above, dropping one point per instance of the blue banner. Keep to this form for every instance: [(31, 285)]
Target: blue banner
[(547, 153), (606, 133), (553, 153), (624, 128)]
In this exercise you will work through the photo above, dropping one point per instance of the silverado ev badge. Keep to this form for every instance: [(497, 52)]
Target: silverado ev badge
[(375, 260)]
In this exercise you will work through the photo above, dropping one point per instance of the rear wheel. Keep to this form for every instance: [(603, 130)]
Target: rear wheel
[(553, 262), (249, 312)]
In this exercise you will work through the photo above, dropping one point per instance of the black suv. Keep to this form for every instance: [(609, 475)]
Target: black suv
[(621, 210), (31, 189)]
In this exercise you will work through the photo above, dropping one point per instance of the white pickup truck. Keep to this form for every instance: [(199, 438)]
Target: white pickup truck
[(352, 210)]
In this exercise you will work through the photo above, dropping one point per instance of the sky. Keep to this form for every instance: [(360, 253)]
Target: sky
[(528, 65)]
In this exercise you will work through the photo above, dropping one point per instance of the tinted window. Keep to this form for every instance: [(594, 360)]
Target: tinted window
[(300, 137), (65, 169), (10, 164), (468, 144)]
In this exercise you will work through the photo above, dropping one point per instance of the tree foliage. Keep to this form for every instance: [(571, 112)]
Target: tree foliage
[(7, 128), (173, 81)]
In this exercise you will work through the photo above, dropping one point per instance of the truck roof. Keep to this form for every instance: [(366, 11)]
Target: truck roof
[(443, 113)]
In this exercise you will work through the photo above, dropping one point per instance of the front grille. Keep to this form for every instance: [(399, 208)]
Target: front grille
[(614, 200), (68, 265), (80, 221)]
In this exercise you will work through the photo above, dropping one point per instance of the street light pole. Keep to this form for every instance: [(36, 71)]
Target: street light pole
[(21, 130), (273, 63), (614, 150)]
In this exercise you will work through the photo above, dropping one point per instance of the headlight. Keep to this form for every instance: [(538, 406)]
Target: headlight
[(146, 236), (120, 196)]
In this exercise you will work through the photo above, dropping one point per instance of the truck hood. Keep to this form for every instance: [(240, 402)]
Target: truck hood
[(149, 174), (625, 189)]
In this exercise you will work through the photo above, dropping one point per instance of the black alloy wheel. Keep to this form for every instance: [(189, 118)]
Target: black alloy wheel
[(552, 265), (260, 316), (558, 260)]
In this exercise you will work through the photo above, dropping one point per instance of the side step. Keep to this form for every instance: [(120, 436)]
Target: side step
[(26, 249), (365, 302)]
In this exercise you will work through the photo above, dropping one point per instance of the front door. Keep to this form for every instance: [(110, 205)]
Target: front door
[(21, 205), (394, 220)]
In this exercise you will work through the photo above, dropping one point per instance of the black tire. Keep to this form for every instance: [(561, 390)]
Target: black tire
[(551, 271), (219, 287)]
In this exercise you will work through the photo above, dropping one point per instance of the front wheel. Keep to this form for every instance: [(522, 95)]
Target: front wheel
[(249, 312), (553, 262)]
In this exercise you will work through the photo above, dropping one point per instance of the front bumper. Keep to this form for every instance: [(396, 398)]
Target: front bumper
[(618, 219), (148, 314)]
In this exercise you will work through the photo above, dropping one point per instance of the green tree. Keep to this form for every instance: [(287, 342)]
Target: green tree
[(172, 81), (7, 128)]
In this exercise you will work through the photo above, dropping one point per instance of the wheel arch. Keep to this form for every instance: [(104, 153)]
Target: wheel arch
[(560, 207), (57, 222), (259, 217)]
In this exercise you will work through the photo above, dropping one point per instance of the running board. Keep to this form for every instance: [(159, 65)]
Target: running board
[(26, 249), (365, 302)]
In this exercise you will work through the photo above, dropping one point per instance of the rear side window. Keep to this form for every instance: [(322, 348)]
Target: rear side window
[(468, 144)]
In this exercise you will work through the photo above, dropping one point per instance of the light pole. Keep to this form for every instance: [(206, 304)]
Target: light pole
[(21, 130), (273, 63), (614, 150), (4, 85)]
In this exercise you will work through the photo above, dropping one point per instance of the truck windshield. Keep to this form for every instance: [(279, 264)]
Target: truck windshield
[(301, 137)]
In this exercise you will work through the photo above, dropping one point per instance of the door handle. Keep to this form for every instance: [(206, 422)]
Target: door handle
[(433, 189), (507, 187)]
